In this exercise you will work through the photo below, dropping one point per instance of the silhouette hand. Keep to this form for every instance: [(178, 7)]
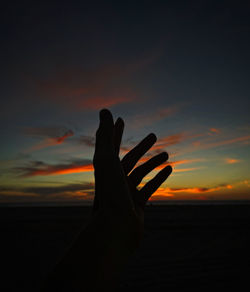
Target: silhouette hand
[(117, 200), (100, 251)]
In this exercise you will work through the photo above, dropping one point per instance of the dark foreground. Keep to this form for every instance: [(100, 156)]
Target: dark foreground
[(186, 248)]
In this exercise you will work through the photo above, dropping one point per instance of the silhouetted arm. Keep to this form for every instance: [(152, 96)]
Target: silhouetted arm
[(100, 252)]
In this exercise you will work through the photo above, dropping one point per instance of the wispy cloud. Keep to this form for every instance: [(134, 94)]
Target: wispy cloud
[(38, 168), (230, 141), (231, 160), (51, 136), (168, 141), (149, 118), (86, 140), (202, 145), (187, 169), (163, 193), (82, 88), (186, 161), (45, 191), (52, 131), (214, 131), (198, 190)]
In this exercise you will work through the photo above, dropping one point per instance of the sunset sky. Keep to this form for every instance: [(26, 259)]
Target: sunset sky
[(179, 69)]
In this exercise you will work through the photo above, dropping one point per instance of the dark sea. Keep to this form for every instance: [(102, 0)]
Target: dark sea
[(186, 246)]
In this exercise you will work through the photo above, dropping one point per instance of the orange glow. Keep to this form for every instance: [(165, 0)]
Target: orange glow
[(184, 161), (214, 130), (193, 190), (59, 140), (231, 160), (54, 171), (169, 192), (162, 192), (187, 169)]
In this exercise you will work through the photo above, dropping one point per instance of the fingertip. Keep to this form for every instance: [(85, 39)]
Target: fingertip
[(165, 155), (153, 136), (104, 113), (169, 168), (121, 123)]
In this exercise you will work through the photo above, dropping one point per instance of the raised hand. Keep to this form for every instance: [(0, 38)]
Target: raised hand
[(99, 253), (116, 193)]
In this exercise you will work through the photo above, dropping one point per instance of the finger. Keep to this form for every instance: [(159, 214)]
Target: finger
[(138, 173), (118, 131), (132, 157), (103, 147), (146, 192), (104, 134)]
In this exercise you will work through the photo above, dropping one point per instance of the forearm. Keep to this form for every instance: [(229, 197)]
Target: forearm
[(93, 262)]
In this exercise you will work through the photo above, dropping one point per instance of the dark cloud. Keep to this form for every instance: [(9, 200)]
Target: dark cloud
[(86, 140), (87, 187), (35, 168), (68, 192)]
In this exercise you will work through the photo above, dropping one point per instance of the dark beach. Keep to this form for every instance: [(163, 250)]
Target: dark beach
[(185, 247)]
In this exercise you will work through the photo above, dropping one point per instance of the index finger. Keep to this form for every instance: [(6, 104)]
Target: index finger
[(133, 156), (104, 135)]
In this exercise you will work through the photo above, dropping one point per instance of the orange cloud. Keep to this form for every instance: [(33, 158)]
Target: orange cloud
[(39, 168), (207, 144), (168, 140), (51, 136), (53, 171), (185, 161), (186, 169), (221, 143), (214, 130), (231, 160), (69, 133), (162, 192), (48, 142), (173, 140)]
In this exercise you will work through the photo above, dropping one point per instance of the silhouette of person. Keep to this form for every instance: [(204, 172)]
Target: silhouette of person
[(97, 256)]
